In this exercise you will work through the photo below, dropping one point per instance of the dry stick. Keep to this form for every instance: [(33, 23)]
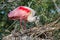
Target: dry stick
[(29, 4), (11, 24), (15, 29), (15, 38), (42, 31), (57, 8), (45, 35), (51, 24), (32, 35), (38, 35)]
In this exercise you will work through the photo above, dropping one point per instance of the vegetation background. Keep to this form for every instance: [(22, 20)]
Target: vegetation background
[(44, 8)]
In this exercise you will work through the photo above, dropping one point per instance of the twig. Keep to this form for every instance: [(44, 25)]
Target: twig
[(29, 4), (52, 23), (11, 24), (57, 8)]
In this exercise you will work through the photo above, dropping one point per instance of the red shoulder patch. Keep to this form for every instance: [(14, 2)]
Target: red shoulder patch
[(24, 9)]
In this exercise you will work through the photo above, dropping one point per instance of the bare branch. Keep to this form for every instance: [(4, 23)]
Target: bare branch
[(57, 8), (52, 23)]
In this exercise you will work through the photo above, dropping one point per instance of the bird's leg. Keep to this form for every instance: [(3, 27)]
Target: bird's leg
[(24, 25), (21, 24)]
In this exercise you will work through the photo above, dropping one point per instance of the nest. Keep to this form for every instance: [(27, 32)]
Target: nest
[(36, 33)]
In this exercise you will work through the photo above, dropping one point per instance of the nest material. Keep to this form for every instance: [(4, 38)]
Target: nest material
[(35, 33)]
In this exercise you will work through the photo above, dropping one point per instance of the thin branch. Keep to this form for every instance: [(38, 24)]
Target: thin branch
[(11, 24), (29, 4), (57, 8), (52, 23)]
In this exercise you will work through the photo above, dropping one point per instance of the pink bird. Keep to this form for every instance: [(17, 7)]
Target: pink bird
[(22, 13)]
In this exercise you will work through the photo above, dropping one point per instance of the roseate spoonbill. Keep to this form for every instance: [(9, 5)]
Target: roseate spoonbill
[(22, 13)]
